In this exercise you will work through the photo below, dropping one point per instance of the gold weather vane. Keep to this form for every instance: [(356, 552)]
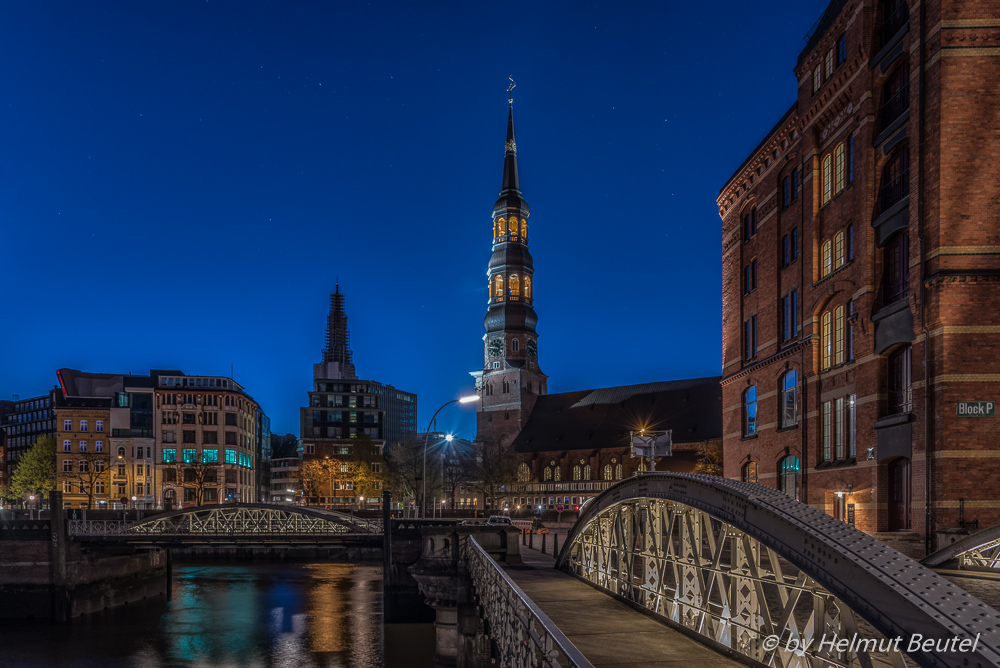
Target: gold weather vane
[(510, 91)]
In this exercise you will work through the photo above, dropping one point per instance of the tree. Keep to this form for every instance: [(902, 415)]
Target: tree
[(367, 472), (36, 471), (709, 459), (312, 474), (496, 470), (457, 466), (406, 470), (195, 476), (88, 470)]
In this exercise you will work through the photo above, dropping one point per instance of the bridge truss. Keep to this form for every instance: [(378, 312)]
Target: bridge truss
[(754, 572), (233, 520), (979, 551)]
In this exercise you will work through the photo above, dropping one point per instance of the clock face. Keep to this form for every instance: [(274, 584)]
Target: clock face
[(532, 349), (495, 347)]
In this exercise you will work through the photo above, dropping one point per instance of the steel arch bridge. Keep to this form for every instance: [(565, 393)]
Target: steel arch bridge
[(228, 522), (753, 571), (978, 551)]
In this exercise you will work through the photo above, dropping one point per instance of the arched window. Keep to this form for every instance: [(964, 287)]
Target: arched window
[(121, 451), (838, 335), (607, 471), (501, 227), (788, 476), (557, 473), (749, 473), (826, 342), (827, 266), (576, 472), (827, 179), (514, 345), (838, 250), (750, 411), (514, 285), (513, 228), (498, 286), (789, 399), (586, 472), (527, 287), (749, 223), (547, 475), (506, 386), (524, 230), (618, 472), (523, 473)]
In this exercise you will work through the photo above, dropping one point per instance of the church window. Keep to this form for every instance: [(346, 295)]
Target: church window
[(514, 285), (586, 472), (523, 473), (506, 386), (501, 228), (547, 475), (527, 287), (607, 471), (513, 229), (498, 287), (576, 472), (618, 472), (557, 474), (514, 345), (524, 229)]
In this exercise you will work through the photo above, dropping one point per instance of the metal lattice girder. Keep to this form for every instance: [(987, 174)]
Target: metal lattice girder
[(232, 520), (706, 552), (980, 549)]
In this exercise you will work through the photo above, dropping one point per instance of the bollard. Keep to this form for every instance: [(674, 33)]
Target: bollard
[(524, 538), (555, 545), (543, 543), (531, 540)]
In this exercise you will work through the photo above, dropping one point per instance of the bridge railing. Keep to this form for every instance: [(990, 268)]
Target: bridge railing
[(524, 635), (99, 527)]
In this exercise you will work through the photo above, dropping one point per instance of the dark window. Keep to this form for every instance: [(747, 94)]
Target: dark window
[(231, 419), (895, 97), (749, 223), (169, 475), (895, 183), (891, 16), (789, 399), (786, 257), (210, 437), (786, 192), (850, 329), (850, 159), (895, 283), (795, 184), (750, 337), (189, 436), (750, 411), (900, 392), (790, 315), (189, 418), (850, 242), (746, 279), (794, 237), (841, 50), (230, 438)]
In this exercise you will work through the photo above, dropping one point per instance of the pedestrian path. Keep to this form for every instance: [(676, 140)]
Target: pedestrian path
[(609, 633)]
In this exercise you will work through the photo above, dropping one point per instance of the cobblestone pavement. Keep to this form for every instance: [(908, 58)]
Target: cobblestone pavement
[(984, 586)]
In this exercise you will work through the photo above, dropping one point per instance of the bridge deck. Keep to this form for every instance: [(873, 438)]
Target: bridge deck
[(606, 631)]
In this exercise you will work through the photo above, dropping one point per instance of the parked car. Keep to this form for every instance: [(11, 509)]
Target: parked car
[(498, 521)]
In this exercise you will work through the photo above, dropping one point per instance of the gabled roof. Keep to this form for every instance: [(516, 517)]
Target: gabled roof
[(603, 418)]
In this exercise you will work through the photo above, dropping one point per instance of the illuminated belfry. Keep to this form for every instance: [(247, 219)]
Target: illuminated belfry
[(510, 379)]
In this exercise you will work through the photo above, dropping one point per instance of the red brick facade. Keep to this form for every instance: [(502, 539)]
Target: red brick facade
[(895, 169)]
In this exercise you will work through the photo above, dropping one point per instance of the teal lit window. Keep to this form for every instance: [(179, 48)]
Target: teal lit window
[(210, 456), (169, 455), (189, 455), (231, 456)]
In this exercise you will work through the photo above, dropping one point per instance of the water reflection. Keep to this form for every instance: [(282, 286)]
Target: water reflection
[(231, 615)]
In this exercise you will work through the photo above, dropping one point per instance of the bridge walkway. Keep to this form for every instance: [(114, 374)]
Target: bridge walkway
[(609, 633)]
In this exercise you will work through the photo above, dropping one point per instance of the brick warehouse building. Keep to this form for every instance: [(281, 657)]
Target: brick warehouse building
[(861, 266)]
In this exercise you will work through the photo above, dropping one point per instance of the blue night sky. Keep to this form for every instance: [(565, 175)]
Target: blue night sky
[(183, 182)]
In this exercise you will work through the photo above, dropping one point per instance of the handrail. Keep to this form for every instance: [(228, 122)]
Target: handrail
[(524, 635)]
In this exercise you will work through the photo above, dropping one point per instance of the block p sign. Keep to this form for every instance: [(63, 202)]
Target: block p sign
[(976, 409)]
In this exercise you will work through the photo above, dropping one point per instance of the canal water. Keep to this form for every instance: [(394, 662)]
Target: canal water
[(235, 616)]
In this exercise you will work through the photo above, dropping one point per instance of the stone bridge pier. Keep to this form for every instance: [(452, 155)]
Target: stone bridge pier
[(443, 579)]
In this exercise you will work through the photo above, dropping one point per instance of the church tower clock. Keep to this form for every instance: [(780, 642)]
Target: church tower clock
[(510, 380)]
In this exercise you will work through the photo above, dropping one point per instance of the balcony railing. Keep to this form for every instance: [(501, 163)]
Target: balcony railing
[(897, 15)]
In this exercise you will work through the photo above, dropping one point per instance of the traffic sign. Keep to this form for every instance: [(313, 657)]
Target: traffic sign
[(560, 508)]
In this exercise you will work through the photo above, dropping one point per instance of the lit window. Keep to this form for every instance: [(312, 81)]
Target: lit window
[(83, 425), (501, 227), (99, 425), (788, 476), (826, 431), (838, 328), (514, 285), (67, 445), (83, 446), (789, 399), (750, 411), (498, 286), (749, 473), (838, 159), (586, 472), (829, 63), (618, 472), (67, 425), (547, 474), (98, 446), (523, 473), (576, 472), (838, 250), (527, 287), (827, 341), (827, 258), (827, 179), (607, 472), (524, 230), (169, 455), (189, 455)]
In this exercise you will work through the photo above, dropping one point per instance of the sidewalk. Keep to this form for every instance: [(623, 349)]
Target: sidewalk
[(609, 633)]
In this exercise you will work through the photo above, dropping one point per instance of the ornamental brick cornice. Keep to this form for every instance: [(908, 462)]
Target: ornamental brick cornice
[(764, 158), (942, 279), (830, 100), (767, 361)]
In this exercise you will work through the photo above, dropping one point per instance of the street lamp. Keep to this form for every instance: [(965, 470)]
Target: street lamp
[(423, 481)]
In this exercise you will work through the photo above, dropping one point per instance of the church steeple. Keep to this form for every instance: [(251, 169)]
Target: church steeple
[(337, 355), (510, 379)]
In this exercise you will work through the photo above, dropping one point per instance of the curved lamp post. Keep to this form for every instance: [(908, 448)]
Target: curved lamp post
[(423, 481)]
